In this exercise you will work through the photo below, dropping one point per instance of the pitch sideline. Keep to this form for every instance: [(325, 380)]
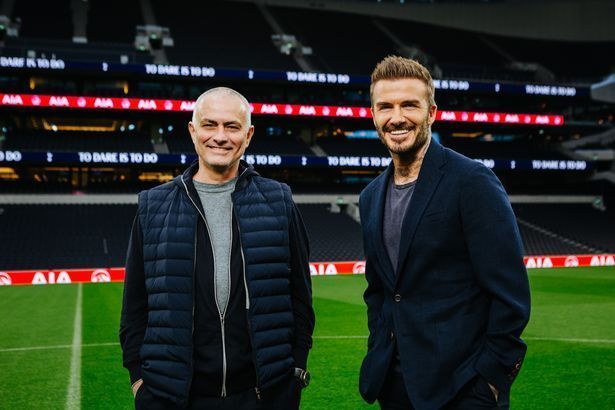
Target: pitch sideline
[(332, 337), (73, 392)]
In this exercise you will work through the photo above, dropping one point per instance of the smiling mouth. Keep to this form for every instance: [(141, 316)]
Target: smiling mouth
[(399, 134), (218, 149), (399, 129)]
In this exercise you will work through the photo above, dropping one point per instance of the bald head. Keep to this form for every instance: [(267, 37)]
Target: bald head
[(218, 92)]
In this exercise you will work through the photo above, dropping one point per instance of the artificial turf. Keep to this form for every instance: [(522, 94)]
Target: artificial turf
[(570, 361)]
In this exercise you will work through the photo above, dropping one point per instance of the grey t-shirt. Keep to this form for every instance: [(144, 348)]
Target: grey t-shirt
[(218, 208), (395, 207)]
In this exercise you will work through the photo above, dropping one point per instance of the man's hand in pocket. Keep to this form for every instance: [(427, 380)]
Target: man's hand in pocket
[(136, 385)]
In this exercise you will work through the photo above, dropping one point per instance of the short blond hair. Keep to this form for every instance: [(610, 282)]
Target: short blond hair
[(399, 68)]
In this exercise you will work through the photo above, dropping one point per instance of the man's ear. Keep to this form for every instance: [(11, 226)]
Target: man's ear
[(192, 131), (432, 113), (249, 136)]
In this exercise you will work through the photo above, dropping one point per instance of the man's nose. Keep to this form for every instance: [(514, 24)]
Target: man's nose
[(220, 135), (396, 116)]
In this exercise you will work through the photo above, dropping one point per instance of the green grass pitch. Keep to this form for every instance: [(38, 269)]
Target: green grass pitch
[(570, 362)]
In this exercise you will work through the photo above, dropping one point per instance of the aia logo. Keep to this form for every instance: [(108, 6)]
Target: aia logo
[(571, 261), (9, 99), (539, 262), (5, 279), (358, 268), (100, 275), (307, 110), (317, 269), (602, 260), (45, 278)]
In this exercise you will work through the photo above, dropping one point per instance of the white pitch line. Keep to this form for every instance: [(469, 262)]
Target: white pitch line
[(339, 337), (25, 349), (547, 339), (73, 399), (571, 340)]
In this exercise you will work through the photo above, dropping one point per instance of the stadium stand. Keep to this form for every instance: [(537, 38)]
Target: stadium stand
[(113, 21), (241, 39), (333, 236), (260, 144), (510, 149), (556, 56), (64, 236), (17, 186), (579, 222), (97, 235), (44, 19), (538, 241), (458, 53), (282, 145), (78, 141), (345, 146), (203, 35), (68, 51), (340, 42)]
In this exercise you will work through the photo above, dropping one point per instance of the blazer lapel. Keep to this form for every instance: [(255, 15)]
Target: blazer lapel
[(428, 180), (376, 237)]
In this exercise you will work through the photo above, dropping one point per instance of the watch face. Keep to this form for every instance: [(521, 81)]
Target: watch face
[(306, 378)]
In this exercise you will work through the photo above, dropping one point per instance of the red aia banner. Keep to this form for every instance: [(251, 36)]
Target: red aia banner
[(148, 104), (61, 276), (64, 276)]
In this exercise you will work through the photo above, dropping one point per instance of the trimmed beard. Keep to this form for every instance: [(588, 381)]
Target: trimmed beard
[(422, 136)]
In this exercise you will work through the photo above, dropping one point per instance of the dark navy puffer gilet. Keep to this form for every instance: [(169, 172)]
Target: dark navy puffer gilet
[(169, 222)]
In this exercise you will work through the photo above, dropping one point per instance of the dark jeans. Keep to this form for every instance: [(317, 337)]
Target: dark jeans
[(476, 394), (283, 396)]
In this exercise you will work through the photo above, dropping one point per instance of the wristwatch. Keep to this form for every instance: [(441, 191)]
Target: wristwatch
[(303, 376)]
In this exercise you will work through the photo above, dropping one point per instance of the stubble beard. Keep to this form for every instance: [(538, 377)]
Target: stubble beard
[(408, 153)]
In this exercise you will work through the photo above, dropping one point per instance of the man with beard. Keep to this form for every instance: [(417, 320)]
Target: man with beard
[(447, 291)]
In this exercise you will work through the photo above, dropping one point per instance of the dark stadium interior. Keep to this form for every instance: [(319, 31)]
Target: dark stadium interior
[(243, 43), (96, 97), (35, 17), (581, 223), (113, 21), (103, 56), (86, 235), (81, 236), (78, 141), (341, 42)]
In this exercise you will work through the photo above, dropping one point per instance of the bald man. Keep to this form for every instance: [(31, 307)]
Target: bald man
[(217, 307)]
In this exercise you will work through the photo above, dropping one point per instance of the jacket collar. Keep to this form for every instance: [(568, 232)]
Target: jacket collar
[(245, 172), (186, 184), (427, 182)]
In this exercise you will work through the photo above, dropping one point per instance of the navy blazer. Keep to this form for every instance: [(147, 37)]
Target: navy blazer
[(458, 299)]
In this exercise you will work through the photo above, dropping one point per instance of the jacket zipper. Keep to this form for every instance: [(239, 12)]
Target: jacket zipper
[(221, 314), (245, 283)]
